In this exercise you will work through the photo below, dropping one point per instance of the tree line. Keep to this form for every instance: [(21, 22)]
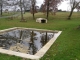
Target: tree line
[(48, 6)]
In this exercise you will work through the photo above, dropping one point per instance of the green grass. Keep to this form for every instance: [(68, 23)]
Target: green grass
[(9, 14), (66, 47)]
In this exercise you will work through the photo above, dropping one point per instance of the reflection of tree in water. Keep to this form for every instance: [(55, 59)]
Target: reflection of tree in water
[(7, 40), (6, 43), (17, 36), (31, 44), (12, 39), (46, 37), (24, 34), (32, 48)]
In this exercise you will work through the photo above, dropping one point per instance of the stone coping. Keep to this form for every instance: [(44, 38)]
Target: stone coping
[(40, 53)]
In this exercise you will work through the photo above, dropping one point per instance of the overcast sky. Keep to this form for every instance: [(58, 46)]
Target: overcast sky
[(63, 6), (39, 2)]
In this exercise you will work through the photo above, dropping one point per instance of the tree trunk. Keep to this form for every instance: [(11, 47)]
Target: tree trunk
[(69, 17), (21, 11), (47, 9), (24, 6), (33, 12), (1, 10)]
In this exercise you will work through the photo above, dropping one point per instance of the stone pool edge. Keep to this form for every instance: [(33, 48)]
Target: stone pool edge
[(39, 54)]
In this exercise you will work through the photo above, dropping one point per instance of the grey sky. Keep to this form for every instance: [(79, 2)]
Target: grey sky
[(62, 6), (39, 2)]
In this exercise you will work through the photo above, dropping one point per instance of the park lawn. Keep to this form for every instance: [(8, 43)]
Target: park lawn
[(9, 14), (66, 47)]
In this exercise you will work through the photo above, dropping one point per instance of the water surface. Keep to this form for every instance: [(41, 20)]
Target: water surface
[(25, 41)]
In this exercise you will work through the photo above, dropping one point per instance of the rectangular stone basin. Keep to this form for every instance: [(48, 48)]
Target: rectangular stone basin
[(29, 43)]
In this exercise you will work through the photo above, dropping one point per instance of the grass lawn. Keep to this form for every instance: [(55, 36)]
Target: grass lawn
[(9, 14), (66, 47)]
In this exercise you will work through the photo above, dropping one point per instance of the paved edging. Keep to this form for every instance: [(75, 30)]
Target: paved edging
[(40, 53)]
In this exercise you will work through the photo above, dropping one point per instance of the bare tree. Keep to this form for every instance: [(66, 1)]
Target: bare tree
[(6, 3), (1, 7), (33, 8), (26, 5), (74, 4), (50, 5), (22, 19), (78, 8), (41, 8), (3, 4)]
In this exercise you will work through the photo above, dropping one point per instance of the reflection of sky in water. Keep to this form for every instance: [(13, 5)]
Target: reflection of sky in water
[(37, 42), (23, 38)]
